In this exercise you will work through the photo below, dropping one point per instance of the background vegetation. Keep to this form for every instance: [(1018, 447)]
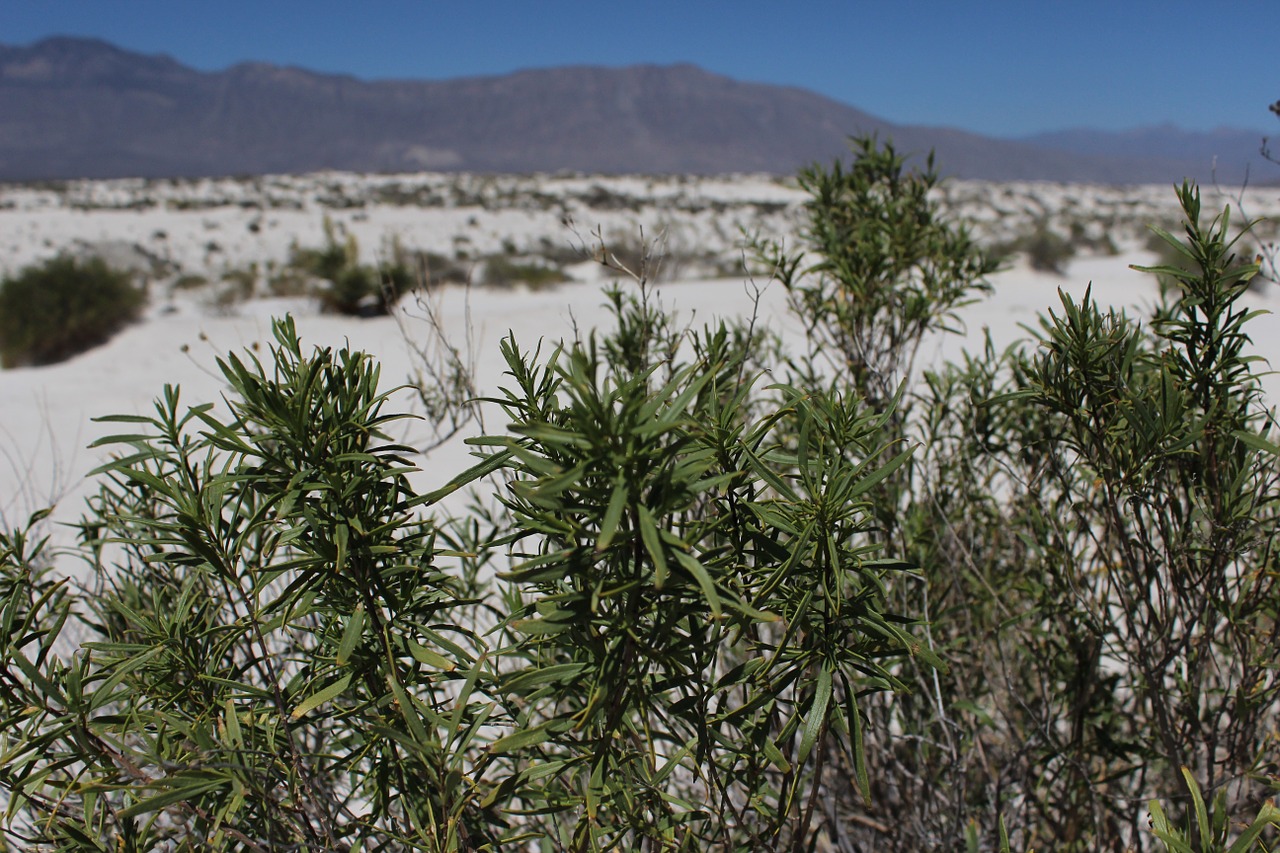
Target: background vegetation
[(713, 594), (63, 307)]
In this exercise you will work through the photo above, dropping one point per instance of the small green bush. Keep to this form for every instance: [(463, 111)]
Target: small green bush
[(352, 287), (189, 281), (503, 272), (51, 312), (1046, 250)]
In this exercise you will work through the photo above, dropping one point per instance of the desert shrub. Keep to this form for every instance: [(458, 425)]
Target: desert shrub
[(1084, 498), (1046, 249), (291, 653), (1099, 240), (350, 287), (434, 269), (883, 269), (296, 593), (501, 271), (63, 307), (1068, 506), (236, 286), (189, 281), (1025, 600), (880, 270)]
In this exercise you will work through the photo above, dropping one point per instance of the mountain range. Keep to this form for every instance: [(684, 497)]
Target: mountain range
[(83, 108)]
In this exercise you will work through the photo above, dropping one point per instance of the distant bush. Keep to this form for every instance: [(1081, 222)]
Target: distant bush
[(51, 312), (1046, 250), (1097, 240), (189, 281), (352, 287), (434, 269), (502, 271)]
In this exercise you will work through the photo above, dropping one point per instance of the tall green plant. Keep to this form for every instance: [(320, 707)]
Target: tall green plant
[(1109, 604), (688, 586), (276, 656), (273, 658), (881, 267)]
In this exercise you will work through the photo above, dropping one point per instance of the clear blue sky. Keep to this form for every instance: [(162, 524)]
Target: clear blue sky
[(1006, 67)]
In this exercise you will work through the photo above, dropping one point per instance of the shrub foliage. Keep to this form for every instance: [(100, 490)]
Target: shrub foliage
[(350, 287), (726, 597), (61, 308)]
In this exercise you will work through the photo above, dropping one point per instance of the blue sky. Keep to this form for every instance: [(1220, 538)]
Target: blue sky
[(1004, 68)]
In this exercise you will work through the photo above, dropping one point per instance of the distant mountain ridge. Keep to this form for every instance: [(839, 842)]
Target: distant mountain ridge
[(72, 107), (1224, 150)]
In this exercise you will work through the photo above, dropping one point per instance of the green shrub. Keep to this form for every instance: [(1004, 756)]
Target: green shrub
[(349, 286), (1085, 496), (189, 281), (235, 287), (61, 308), (501, 271), (435, 269), (1047, 250), (276, 613), (1026, 600)]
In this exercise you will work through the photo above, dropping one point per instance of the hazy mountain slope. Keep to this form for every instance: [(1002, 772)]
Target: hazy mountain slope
[(84, 108), (1230, 151)]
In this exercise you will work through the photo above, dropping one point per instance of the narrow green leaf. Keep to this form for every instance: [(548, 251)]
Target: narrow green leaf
[(1257, 442), (775, 756), (475, 472), (232, 722), (521, 739), (653, 545), (817, 715), (180, 788), (425, 656), (541, 627), (880, 473), (341, 534), (612, 515), (1202, 816), (351, 635), (857, 741), (317, 699), (535, 677), (701, 575)]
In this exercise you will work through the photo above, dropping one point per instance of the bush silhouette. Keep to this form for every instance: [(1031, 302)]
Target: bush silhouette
[(51, 312)]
